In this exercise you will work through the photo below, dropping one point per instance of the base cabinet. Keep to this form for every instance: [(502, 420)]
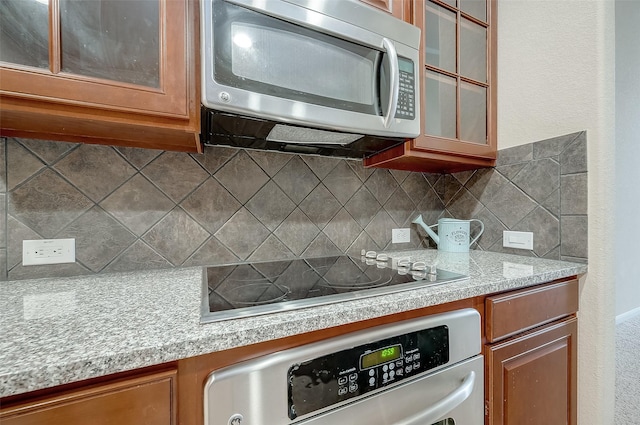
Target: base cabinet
[(144, 400)]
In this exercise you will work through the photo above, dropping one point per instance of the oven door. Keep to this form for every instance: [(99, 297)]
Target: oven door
[(453, 396), (285, 62)]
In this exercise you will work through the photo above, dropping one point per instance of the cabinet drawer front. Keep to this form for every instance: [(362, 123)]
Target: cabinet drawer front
[(513, 312), (148, 400)]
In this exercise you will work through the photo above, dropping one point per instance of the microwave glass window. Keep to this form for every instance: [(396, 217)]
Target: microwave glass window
[(295, 58)]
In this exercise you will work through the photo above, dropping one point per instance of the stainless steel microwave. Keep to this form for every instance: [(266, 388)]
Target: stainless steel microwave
[(330, 77)]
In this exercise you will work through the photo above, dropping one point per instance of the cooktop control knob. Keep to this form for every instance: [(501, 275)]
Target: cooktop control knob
[(382, 257)]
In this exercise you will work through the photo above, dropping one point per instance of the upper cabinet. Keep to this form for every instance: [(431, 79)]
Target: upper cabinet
[(102, 71), (398, 8), (458, 89)]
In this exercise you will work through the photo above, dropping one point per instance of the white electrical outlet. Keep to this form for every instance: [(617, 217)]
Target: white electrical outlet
[(48, 251), (517, 240), (400, 236)]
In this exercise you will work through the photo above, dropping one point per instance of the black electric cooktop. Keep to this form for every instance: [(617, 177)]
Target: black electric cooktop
[(249, 289)]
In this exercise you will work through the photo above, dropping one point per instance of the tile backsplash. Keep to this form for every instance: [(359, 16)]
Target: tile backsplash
[(132, 209)]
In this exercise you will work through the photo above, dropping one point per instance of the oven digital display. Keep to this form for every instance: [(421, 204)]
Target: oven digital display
[(381, 356)]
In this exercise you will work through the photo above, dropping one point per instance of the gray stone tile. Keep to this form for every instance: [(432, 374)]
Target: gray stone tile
[(381, 185), (567, 139), (211, 205), (363, 206), (342, 182), (47, 271), (545, 228), (573, 234), (400, 175), (320, 206), (511, 171), (138, 157), (342, 230), (16, 233), (242, 234), (270, 162), (514, 155), (139, 256), (573, 194), (554, 254), (271, 249), (430, 207), (321, 165), (399, 207), (296, 179), (176, 236), (21, 164), (486, 184), (99, 238), (416, 187), (464, 205), (297, 232), (573, 158), (177, 174), (3, 165), (574, 259), (95, 170), (493, 229), (363, 241), (47, 203), (48, 151), (3, 264), (380, 228), (270, 205), (362, 172), (463, 176), (214, 157), (3, 220), (539, 178), (321, 246), (137, 204), (212, 252), (546, 148), (497, 247), (450, 188), (510, 205), (433, 178), (552, 203)]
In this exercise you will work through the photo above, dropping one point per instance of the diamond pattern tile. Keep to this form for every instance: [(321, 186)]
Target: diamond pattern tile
[(95, 170), (3, 165), (399, 207), (3, 221), (176, 174), (463, 205), (47, 203), (380, 228), (214, 157), (211, 205), (511, 205), (138, 157), (342, 230), (320, 165), (381, 185), (362, 172), (416, 187), (321, 246), (99, 238), (320, 206), (24, 166), (539, 178), (544, 241), (242, 234), (342, 182), (430, 207), (271, 249), (363, 206), (270, 162), (16, 233), (297, 231), (296, 179), (47, 151), (233, 176), (138, 204), (270, 205), (176, 236), (210, 253), (139, 256), (486, 184)]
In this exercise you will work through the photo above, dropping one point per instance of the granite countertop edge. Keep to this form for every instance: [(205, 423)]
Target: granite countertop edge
[(116, 333)]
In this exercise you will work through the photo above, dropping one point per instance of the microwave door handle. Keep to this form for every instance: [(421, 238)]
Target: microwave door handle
[(395, 81), (444, 405)]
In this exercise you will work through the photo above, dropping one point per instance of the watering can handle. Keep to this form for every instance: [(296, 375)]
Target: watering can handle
[(479, 233)]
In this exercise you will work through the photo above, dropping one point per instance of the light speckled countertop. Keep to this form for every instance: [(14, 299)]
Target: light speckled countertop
[(56, 331)]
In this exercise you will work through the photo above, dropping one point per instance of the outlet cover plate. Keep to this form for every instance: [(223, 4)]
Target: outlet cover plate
[(48, 251), (400, 235), (517, 240)]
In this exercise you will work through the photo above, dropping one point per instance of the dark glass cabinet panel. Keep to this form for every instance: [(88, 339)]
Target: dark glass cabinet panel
[(24, 32), (116, 40)]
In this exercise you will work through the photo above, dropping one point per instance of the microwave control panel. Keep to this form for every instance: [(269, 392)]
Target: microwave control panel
[(336, 377), (407, 93)]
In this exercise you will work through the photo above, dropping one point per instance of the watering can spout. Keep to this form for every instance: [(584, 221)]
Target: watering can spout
[(418, 220)]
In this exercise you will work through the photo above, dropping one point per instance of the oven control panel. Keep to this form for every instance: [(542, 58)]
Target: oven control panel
[(333, 378)]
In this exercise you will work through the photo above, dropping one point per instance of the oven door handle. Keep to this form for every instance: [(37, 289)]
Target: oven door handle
[(444, 405)]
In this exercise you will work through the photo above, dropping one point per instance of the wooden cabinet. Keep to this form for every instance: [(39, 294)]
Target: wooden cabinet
[(458, 89), (531, 361), (143, 400), (398, 8), (111, 72)]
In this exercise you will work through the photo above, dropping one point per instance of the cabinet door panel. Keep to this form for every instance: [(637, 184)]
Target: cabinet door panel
[(24, 32), (148, 400), (532, 378)]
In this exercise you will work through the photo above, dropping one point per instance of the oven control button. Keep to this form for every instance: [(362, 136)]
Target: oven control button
[(353, 377), (392, 366), (400, 372), (408, 368), (392, 374), (416, 356), (353, 388), (385, 376), (342, 390), (236, 419), (385, 368), (372, 382), (342, 380), (372, 372), (399, 363), (416, 365), (408, 358)]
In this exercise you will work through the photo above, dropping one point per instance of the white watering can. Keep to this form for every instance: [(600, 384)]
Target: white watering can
[(453, 234)]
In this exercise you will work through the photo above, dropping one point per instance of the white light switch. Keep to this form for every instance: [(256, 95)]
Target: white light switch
[(518, 240), (48, 251)]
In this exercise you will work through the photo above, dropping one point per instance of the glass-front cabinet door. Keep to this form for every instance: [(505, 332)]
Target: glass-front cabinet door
[(128, 55), (458, 82)]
